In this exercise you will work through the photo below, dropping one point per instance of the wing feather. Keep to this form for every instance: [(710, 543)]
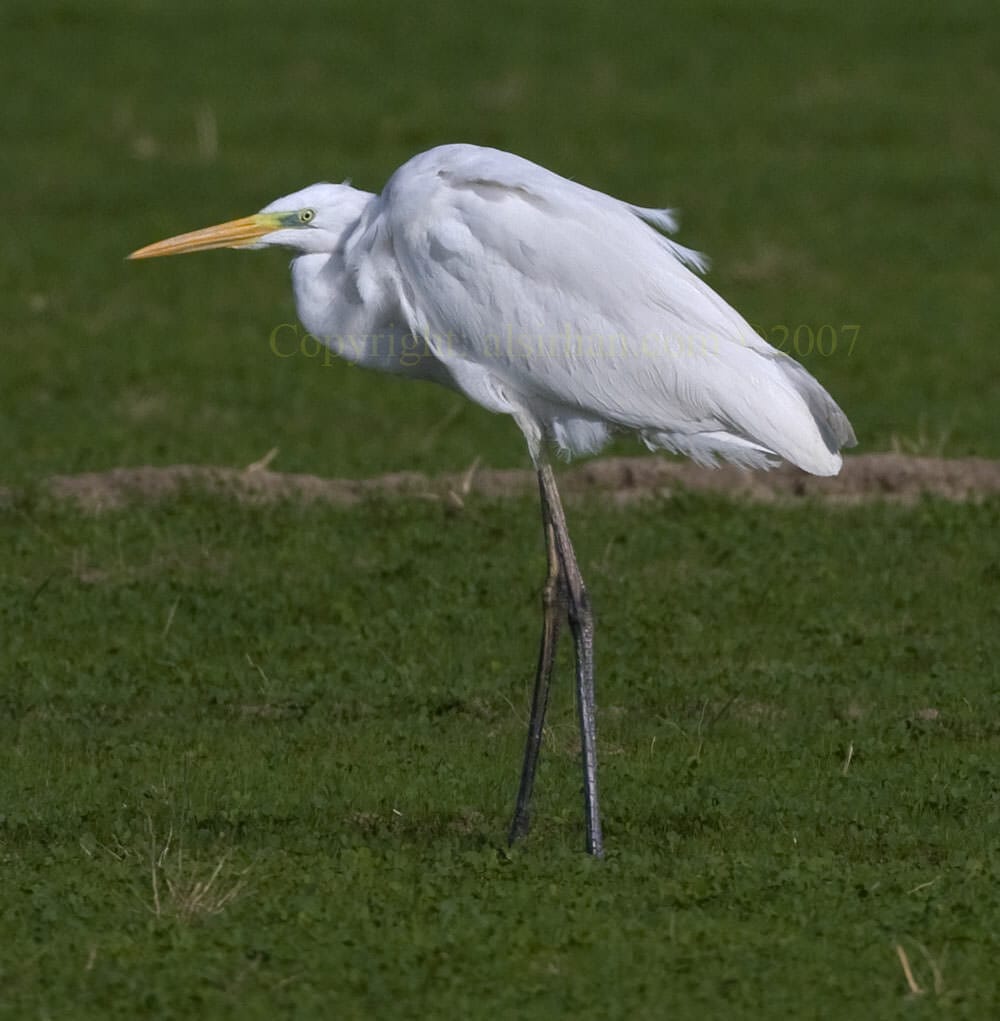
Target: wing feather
[(569, 302)]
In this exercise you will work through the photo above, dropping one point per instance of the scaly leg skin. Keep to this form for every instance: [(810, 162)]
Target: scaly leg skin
[(581, 622), (553, 607)]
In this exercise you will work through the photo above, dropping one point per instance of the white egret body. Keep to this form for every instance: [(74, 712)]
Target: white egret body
[(554, 303)]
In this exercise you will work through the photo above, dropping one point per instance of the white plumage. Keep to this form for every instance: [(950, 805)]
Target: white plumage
[(559, 305), (547, 300)]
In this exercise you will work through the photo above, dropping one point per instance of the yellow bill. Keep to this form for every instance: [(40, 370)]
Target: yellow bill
[(233, 234)]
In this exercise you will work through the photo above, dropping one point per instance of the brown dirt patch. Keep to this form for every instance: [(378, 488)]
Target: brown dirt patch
[(893, 477)]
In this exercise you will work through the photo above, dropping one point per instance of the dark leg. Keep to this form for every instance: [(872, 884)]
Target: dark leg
[(581, 622), (553, 607)]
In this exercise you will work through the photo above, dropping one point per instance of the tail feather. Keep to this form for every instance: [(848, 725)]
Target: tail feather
[(832, 423)]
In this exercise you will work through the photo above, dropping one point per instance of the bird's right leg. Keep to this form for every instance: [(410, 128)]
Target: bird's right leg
[(553, 611), (581, 622)]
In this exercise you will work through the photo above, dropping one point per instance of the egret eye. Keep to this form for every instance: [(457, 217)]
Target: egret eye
[(307, 215)]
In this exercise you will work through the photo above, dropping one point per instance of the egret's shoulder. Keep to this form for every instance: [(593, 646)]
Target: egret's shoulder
[(460, 166), (463, 159), (472, 178)]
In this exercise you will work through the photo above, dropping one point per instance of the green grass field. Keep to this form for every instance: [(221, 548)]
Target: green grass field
[(258, 761)]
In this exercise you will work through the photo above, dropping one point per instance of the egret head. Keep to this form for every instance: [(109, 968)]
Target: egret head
[(311, 220)]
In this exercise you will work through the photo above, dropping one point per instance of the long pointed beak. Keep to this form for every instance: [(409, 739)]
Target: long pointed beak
[(233, 234)]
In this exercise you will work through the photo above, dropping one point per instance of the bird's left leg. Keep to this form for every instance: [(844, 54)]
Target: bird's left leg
[(553, 608), (581, 622)]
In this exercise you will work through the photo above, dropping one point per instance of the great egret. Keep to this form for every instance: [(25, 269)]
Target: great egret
[(558, 305)]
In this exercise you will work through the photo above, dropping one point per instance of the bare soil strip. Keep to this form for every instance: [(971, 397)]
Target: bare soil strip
[(892, 477)]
